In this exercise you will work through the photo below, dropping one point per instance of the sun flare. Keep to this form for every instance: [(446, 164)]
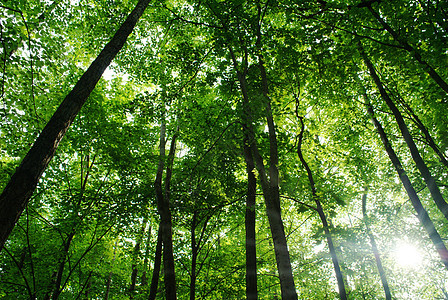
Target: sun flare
[(407, 255)]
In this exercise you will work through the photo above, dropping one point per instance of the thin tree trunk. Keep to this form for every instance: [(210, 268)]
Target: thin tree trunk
[(421, 165), (163, 205), (250, 217), (322, 216), (135, 258), (109, 278), (156, 269), (422, 215), (58, 275), (375, 251), (23, 182), (144, 280), (194, 256), (414, 52)]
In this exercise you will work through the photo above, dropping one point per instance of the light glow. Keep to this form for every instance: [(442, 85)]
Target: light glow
[(407, 255)]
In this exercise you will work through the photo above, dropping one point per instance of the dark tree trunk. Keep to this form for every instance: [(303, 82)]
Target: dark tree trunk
[(23, 182), (135, 258), (144, 280), (421, 165), (269, 187), (426, 134), (163, 204), (109, 278), (156, 269), (194, 256), (375, 251), (414, 52), (273, 203), (250, 217), (422, 215), (58, 276), (322, 216)]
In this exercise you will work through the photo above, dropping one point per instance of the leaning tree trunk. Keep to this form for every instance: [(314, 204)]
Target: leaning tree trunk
[(425, 132), (422, 215), (375, 251), (421, 165), (322, 216), (250, 217), (23, 182), (414, 52)]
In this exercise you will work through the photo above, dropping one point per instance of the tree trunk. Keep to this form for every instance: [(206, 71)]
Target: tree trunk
[(156, 269), (273, 200), (109, 278), (144, 280), (58, 275), (250, 217), (426, 134), (135, 258), (421, 165), (270, 189), (23, 182), (375, 251), (194, 256), (406, 46), (422, 215), (163, 205), (322, 216)]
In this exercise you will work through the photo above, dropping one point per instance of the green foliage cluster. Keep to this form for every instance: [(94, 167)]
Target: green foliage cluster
[(96, 201)]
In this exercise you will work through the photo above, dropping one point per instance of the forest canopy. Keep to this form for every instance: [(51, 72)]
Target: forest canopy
[(239, 149)]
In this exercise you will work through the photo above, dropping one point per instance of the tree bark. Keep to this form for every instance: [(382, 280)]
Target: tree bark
[(23, 182), (425, 131), (163, 205), (322, 216), (156, 269), (414, 52), (270, 190), (421, 165), (250, 217), (422, 215), (375, 251), (144, 280), (194, 256), (135, 258), (56, 285), (109, 278)]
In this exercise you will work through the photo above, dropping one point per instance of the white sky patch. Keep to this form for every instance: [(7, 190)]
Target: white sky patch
[(110, 74)]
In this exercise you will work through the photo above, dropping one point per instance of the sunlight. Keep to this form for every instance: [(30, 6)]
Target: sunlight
[(407, 255)]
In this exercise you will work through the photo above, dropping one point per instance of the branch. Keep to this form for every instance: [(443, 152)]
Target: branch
[(300, 202)]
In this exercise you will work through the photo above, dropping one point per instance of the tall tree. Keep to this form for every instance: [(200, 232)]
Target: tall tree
[(21, 186), (421, 165), (375, 250)]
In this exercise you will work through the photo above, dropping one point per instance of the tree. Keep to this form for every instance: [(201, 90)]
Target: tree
[(19, 190)]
